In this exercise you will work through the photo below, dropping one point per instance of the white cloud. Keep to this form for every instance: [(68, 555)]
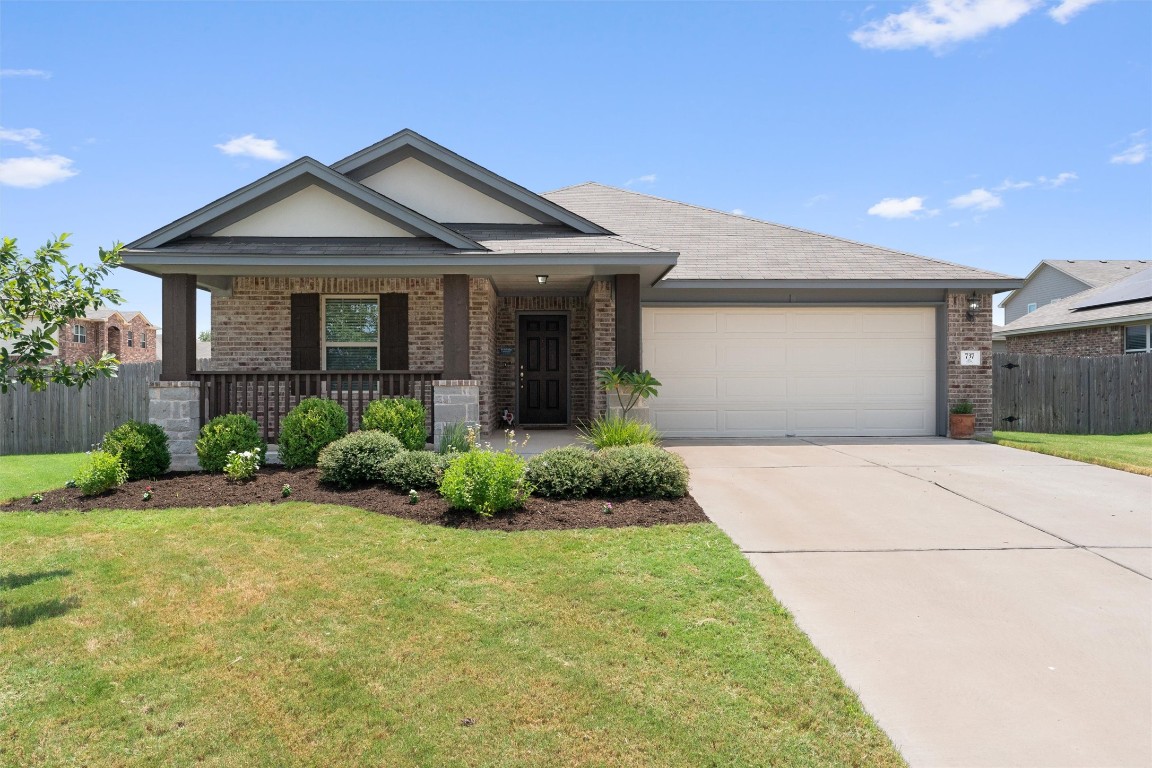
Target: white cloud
[(980, 199), (1059, 181), (738, 211), (26, 136), (648, 178), (40, 73), (938, 24), (250, 146), (816, 200), (895, 208), (1135, 153), (1064, 12), (1009, 184), (33, 172)]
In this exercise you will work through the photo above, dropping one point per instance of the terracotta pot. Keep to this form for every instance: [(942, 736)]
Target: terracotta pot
[(961, 426)]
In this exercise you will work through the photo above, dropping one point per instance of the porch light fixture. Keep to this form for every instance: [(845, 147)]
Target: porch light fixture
[(973, 306), (541, 279)]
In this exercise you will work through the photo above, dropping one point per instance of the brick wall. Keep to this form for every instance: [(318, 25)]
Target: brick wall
[(110, 335), (1076, 342), (482, 312), (140, 329), (972, 383), (70, 352), (602, 336)]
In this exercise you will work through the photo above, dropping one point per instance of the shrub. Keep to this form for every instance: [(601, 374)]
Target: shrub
[(241, 466), (357, 458), (962, 407), (642, 470), (224, 434), (312, 424), (457, 437), (610, 431), (485, 482), (142, 448), (101, 471), (566, 473), (414, 469), (402, 417)]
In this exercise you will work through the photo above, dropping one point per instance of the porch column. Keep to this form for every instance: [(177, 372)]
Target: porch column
[(457, 344), (178, 316), (628, 322)]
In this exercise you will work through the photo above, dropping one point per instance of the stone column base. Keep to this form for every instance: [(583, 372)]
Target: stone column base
[(453, 401), (175, 406), (639, 412)]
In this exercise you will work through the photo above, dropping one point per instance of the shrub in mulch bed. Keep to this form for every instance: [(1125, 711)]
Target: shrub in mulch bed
[(199, 489)]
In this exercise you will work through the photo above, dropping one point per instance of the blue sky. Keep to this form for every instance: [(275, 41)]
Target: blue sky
[(993, 134)]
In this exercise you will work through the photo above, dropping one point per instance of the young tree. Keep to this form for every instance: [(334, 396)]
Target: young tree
[(40, 295)]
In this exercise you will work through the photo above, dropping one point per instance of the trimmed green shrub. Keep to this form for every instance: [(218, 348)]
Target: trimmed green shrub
[(610, 431), (101, 471), (414, 470), (402, 417), (635, 471), (357, 458), (485, 482), (230, 432), (457, 437), (312, 424), (241, 466), (142, 448), (571, 472)]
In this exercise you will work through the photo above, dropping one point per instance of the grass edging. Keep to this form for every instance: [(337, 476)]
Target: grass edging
[(1071, 454)]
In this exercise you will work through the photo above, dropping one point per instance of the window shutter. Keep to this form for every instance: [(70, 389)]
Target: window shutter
[(305, 331), (394, 331)]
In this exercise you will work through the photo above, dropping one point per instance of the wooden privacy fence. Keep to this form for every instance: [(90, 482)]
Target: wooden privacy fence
[(66, 419), (1072, 395)]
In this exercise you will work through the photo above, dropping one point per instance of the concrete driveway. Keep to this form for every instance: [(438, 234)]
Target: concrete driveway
[(992, 607)]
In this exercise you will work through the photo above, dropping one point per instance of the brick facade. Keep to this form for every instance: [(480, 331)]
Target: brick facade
[(1075, 342), (482, 314), (110, 335), (970, 382), (601, 336)]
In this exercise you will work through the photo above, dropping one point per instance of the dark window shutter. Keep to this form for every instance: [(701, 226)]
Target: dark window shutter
[(305, 331), (394, 331)]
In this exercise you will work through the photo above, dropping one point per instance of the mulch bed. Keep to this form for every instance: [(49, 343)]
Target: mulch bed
[(196, 489)]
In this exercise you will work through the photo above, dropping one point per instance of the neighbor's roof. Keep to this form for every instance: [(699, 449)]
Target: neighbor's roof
[(1096, 272), (1062, 314), (721, 246), (104, 314)]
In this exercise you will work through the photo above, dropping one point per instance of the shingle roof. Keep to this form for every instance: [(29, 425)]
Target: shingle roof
[(103, 314), (1096, 272), (1061, 313), (720, 246)]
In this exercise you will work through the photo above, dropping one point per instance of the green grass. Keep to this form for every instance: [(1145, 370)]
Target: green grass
[(22, 475), (309, 635), (1132, 453)]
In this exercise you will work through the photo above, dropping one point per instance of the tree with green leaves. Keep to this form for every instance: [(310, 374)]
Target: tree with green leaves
[(39, 296)]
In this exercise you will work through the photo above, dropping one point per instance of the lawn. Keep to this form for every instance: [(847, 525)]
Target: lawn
[(1132, 453), (307, 634), (22, 475)]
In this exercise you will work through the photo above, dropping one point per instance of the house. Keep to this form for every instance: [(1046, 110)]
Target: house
[(1055, 279), (128, 335), (406, 268), (203, 348), (1111, 319)]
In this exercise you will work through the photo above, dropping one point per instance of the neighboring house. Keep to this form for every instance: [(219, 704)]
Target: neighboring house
[(406, 268), (1112, 319), (999, 342), (1056, 279), (127, 335)]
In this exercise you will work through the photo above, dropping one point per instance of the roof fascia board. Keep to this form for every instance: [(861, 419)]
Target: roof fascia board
[(992, 284), (448, 261), (294, 176), (1124, 320), (351, 165)]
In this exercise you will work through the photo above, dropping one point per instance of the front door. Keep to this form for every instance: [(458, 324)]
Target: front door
[(543, 369)]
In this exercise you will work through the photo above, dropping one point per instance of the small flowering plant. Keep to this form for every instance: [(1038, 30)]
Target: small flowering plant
[(147, 492), (286, 491), (607, 508), (413, 497), (241, 466), (37, 498)]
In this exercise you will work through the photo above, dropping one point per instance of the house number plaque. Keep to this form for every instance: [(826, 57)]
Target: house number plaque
[(970, 357)]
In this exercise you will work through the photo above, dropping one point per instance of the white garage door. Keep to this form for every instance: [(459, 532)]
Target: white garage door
[(767, 371)]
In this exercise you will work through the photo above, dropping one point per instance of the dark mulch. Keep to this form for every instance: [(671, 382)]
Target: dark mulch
[(195, 489)]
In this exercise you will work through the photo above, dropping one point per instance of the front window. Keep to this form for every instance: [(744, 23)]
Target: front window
[(1138, 338), (129, 338), (79, 334), (143, 339), (351, 333)]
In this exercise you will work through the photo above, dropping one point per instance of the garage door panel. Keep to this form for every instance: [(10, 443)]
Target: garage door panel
[(807, 371)]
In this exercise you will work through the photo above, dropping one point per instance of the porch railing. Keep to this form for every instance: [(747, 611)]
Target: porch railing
[(267, 396)]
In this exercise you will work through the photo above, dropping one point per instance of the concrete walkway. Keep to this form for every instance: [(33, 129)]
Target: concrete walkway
[(992, 607)]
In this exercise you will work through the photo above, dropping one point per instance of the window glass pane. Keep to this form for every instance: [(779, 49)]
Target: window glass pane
[(351, 320), (350, 358), (1136, 338)]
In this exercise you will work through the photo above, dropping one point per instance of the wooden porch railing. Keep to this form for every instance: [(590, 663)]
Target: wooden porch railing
[(267, 396)]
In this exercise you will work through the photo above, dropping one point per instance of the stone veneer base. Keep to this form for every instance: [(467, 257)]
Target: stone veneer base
[(175, 407)]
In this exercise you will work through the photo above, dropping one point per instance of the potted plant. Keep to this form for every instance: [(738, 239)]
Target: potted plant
[(961, 421)]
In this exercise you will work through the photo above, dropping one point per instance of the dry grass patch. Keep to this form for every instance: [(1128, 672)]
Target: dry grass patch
[(300, 634)]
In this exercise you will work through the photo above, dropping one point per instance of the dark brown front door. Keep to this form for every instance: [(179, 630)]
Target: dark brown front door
[(543, 369)]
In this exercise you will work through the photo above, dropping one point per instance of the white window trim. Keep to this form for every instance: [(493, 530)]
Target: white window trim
[(79, 334), (131, 338), (1031, 307), (1147, 339), (324, 343), (143, 339)]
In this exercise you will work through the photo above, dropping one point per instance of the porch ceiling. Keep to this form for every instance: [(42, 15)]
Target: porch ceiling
[(528, 285)]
